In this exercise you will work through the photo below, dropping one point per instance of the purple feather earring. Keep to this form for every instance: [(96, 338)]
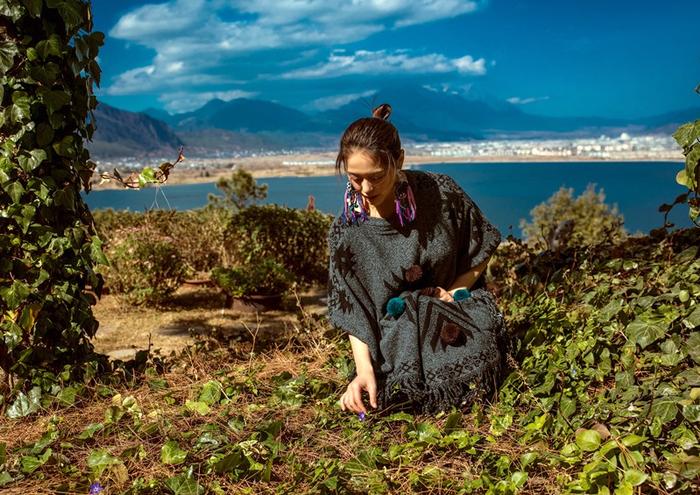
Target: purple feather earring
[(405, 202), (353, 209)]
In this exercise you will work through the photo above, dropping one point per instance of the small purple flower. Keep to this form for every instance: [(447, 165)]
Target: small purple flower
[(95, 488), (361, 416)]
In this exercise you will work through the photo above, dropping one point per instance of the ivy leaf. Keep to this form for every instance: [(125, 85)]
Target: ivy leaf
[(8, 51), (646, 329), (15, 190), (101, 459), (32, 463), (64, 147), (199, 407), (631, 440), (588, 440), (50, 46), (184, 485), (44, 134), (15, 294), (90, 430), (96, 251), (20, 107), (664, 409), (55, 100), (693, 342), (211, 393), (691, 412), (687, 134), (33, 7), (171, 453)]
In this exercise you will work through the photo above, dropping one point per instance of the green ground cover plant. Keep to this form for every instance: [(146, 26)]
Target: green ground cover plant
[(603, 397)]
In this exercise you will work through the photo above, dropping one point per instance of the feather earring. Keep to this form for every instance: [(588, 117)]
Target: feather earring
[(405, 202), (354, 211)]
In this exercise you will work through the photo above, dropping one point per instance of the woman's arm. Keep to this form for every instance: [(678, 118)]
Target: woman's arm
[(467, 279), (365, 379)]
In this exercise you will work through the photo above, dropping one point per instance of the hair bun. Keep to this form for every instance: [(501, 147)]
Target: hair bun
[(383, 111)]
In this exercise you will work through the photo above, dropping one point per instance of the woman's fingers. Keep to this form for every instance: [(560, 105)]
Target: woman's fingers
[(357, 398), (372, 391)]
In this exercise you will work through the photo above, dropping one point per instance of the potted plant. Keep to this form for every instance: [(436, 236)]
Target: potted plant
[(254, 286)]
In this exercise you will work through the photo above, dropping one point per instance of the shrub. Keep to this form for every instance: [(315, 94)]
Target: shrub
[(197, 234), (263, 278), (292, 237), (563, 221), (145, 267)]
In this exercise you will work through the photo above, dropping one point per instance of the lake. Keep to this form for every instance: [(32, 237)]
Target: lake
[(505, 192)]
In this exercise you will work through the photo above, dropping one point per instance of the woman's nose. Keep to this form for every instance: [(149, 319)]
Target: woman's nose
[(366, 187)]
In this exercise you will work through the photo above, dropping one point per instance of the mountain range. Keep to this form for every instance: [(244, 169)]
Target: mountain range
[(419, 113)]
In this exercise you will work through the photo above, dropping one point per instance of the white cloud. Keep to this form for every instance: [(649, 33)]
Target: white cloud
[(192, 38), (517, 100), (337, 101), (183, 101), (382, 62)]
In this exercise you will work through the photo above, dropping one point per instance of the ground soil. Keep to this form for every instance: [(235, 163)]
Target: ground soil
[(195, 311)]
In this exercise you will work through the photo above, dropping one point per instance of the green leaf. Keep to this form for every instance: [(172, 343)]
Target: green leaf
[(691, 412), (16, 294), (211, 393), (646, 329), (65, 147), (692, 345), (519, 478), (15, 190), (101, 459), (199, 407), (25, 405), (635, 477), (184, 485), (33, 7), (631, 440), (96, 251), (171, 453), (44, 134), (5, 478), (588, 440), (66, 396), (3, 453), (32, 463), (8, 50), (50, 46), (687, 134), (20, 109), (90, 431), (624, 489), (664, 409), (55, 100)]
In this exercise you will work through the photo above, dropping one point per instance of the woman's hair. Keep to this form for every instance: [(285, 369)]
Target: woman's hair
[(374, 135)]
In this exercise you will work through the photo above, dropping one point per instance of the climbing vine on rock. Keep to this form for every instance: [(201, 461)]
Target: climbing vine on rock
[(48, 245)]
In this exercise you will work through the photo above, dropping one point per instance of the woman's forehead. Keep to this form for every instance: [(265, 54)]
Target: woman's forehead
[(362, 163)]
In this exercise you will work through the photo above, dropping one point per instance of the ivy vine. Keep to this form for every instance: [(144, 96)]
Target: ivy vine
[(48, 245)]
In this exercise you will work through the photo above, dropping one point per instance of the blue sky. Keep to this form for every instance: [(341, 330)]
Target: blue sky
[(566, 58)]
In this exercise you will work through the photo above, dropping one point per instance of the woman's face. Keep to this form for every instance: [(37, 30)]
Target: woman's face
[(368, 177)]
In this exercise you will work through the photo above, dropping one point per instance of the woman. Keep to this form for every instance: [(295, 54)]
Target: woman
[(404, 254)]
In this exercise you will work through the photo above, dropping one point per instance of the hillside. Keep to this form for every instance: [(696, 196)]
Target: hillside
[(602, 397)]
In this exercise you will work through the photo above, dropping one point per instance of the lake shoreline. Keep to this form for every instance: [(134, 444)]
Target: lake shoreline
[(203, 171)]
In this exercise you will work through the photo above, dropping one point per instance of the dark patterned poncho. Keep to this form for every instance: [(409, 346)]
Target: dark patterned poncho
[(377, 260)]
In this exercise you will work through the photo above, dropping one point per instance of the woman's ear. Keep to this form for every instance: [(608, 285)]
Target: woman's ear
[(399, 163)]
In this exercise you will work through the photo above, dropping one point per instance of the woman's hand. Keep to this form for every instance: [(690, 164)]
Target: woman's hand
[(443, 295), (352, 398)]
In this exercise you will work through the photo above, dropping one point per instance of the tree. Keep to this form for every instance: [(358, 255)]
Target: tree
[(239, 191), (48, 245), (564, 221)]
